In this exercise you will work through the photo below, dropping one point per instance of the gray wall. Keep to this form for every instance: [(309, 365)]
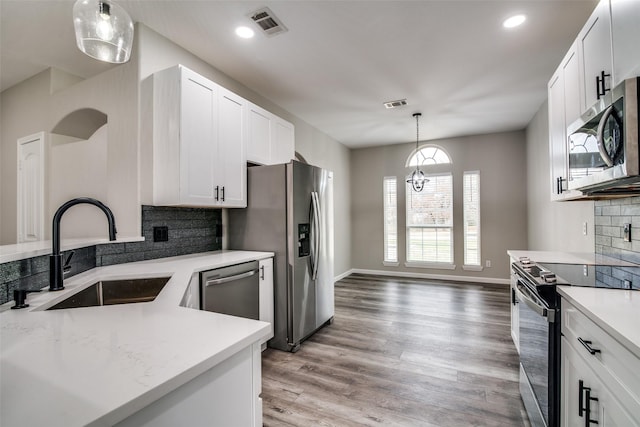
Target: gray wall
[(500, 158), (552, 226)]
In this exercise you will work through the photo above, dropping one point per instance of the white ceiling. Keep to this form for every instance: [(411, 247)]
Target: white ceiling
[(340, 60)]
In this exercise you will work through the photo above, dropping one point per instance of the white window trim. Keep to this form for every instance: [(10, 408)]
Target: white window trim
[(431, 265), (385, 261), (470, 267), (423, 264)]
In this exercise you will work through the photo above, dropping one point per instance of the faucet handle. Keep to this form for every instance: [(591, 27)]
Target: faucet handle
[(20, 298), (67, 263)]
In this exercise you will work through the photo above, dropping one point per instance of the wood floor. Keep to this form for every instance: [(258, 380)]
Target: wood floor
[(401, 352)]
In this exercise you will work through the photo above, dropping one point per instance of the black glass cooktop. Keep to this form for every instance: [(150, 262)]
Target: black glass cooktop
[(599, 276)]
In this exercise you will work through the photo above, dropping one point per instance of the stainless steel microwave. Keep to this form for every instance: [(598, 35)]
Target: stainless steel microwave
[(603, 144)]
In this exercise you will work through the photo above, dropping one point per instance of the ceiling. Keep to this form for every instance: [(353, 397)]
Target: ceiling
[(340, 60)]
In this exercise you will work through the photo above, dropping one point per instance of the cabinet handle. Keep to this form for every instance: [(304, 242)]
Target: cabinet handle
[(587, 410), (217, 189), (600, 81), (223, 193), (587, 345), (262, 272), (514, 299), (559, 186)]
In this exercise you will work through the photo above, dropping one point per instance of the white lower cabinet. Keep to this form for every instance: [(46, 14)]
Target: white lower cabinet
[(226, 395), (266, 293), (515, 311), (600, 379)]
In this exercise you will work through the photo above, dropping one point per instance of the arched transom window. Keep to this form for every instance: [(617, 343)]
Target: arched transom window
[(429, 155)]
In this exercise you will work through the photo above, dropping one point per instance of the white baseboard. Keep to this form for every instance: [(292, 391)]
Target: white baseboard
[(343, 275), (426, 276)]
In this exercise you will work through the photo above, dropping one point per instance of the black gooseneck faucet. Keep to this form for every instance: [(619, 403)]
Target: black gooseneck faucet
[(56, 269)]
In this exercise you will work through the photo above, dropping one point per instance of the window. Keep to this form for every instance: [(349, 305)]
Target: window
[(429, 155), (471, 205), (389, 189), (430, 221)]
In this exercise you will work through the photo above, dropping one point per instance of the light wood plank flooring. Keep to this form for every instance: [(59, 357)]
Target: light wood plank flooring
[(401, 352)]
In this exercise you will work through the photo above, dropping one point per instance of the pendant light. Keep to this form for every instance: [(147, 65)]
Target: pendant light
[(417, 180), (104, 30)]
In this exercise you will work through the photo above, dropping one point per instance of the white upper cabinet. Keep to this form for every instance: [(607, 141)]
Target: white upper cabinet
[(625, 37), (231, 178), (199, 139), (271, 139), (564, 108), (594, 45)]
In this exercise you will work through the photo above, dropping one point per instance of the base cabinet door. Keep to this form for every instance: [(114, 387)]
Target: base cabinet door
[(586, 400), (266, 291)]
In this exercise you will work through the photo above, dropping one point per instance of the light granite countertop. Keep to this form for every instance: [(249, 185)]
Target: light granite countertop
[(98, 365)]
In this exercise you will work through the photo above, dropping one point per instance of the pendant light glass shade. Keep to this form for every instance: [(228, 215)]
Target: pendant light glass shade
[(104, 30), (418, 179)]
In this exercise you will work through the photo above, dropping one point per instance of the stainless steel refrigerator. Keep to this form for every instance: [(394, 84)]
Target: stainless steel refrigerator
[(290, 212)]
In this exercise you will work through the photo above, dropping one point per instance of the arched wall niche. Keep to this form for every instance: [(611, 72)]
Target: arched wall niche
[(81, 123)]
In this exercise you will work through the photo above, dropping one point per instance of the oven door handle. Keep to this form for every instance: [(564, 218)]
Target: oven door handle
[(526, 296)]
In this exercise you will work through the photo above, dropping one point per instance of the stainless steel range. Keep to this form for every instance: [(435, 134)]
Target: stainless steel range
[(539, 326)]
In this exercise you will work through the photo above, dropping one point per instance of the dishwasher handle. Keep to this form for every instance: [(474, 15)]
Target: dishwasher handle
[(222, 280)]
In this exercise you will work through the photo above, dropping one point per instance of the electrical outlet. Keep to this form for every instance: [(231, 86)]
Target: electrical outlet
[(584, 228), (626, 232), (487, 263), (627, 284), (160, 234)]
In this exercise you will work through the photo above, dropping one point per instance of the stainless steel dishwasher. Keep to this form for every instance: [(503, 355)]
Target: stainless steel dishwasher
[(233, 290)]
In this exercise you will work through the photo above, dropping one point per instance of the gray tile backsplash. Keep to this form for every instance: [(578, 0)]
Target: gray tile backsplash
[(191, 230), (610, 217)]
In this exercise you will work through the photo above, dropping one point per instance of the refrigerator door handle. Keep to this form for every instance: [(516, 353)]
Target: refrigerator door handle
[(316, 234)]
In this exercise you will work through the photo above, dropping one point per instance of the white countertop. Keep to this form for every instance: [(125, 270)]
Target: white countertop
[(98, 365), (616, 311), (555, 257), (25, 250)]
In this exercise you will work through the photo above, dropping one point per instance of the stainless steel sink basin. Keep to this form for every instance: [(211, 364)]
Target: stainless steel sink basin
[(110, 292)]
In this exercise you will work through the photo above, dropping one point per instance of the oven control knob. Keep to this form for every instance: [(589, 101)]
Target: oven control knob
[(548, 277)]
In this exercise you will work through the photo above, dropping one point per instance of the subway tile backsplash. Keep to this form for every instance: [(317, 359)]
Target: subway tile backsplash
[(610, 218), (190, 230)]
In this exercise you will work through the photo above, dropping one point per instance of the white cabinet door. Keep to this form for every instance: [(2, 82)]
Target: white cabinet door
[(582, 389), (259, 141), (271, 139), (199, 141), (594, 43), (625, 35), (31, 196), (231, 167), (283, 144), (198, 138), (515, 312), (266, 291)]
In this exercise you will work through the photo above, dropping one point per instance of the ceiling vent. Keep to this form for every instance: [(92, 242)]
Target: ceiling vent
[(268, 22), (395, 104)]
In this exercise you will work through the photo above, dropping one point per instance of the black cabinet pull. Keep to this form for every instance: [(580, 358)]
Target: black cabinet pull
[(587, 345), (587, 410), (223, 193), (584, 404), (600, 82), (514, 299), (559, 186), (262, 272), (217, 189)]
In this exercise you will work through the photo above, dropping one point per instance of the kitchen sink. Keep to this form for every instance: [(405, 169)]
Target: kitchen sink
[(111, 292)]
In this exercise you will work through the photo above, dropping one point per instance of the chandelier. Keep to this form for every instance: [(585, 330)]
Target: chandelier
[(418, 179)]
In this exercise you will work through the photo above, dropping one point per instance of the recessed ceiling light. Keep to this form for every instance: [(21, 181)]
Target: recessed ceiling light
[(514, 21), (244, 32)]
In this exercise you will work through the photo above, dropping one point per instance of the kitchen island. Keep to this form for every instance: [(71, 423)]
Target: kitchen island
[(152, 363)]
